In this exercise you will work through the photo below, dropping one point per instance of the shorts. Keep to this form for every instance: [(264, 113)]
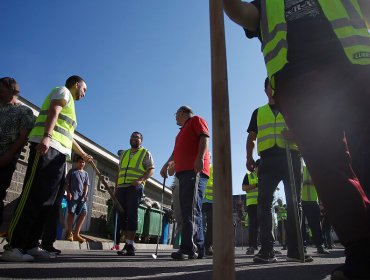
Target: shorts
[(77, 207)]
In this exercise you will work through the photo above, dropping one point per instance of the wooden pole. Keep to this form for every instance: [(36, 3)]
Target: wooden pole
[(107, 188), (223, 229)]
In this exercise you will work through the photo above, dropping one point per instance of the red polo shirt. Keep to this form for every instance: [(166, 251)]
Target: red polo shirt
[(187, 144)]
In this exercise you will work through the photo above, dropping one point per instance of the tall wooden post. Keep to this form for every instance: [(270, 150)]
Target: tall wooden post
[(223, 231)]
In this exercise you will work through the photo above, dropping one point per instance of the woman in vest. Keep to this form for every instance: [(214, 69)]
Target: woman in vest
[(317, 55)]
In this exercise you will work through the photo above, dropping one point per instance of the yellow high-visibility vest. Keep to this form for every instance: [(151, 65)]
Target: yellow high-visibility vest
[(344, 16), (252, 195), (208, 193), (66, 123), (269, 130), (131, 169), (308, 189), (282, 213)]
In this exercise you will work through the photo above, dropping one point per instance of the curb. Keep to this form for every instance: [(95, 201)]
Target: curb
[(104, 245)]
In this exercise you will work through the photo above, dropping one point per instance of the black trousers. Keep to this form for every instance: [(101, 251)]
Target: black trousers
[(253, 225), (44, 178), (311, 212), (49, 234), (207, 212), (273, 168), (6, 174)]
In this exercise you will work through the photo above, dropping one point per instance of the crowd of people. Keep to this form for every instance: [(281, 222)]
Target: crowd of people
[(318, 100)]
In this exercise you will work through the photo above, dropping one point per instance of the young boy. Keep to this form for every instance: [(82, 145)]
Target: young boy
[(77, 186)]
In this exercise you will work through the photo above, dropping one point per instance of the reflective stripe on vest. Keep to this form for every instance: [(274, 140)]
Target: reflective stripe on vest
[(65, 125), (346, 20), (208, 193), (131, 169), (269, 130), (252, 195), (308, 189), (282, 213)]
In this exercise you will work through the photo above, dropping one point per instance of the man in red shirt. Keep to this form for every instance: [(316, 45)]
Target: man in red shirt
[(191, 158)]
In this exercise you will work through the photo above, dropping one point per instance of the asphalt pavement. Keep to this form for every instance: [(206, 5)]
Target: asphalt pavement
[(97, 261)]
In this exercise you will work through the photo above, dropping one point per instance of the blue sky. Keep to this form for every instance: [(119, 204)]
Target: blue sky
[(141, 60)]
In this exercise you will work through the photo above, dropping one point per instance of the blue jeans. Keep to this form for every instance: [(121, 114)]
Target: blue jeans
[(191, 187)]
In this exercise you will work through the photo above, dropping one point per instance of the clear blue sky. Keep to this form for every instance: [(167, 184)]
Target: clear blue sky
[(141, 60)]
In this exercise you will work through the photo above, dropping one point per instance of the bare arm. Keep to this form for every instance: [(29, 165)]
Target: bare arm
[(55, 108), (166, 166), (78, 150), (149, 173), (252, 136), (243, 13), (85, 191), (247, 188), (202, 148)]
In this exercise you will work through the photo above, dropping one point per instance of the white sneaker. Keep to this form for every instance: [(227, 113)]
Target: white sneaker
[(16, 255), (39, 253)]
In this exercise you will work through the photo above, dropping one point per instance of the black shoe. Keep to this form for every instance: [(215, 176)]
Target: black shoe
[(250, 251), (180, 255), (263, 257), (128, 250), (51, 249), (284, 248), (209, 251), (295, 258), (322, 251), (277, 252)]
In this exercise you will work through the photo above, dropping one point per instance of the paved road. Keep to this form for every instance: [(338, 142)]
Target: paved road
[(104, 264)]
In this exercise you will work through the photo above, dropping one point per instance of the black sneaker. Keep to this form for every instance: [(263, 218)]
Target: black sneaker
[(128, 250), (51, 249), (322, 251), (250, 251), (295, 258), (180, 255), (263, 257)]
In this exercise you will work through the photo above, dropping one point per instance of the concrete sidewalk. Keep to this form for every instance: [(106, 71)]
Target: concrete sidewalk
[(97, 243)]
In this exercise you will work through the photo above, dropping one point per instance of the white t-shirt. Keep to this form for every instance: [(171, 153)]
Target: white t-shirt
[(58, 93)]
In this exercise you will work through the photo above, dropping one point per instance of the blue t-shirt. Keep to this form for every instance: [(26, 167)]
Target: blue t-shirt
[(77, 180)]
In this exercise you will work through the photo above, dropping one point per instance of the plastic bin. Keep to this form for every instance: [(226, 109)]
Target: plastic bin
[(62, 219), (140, 219), (152, 222), (165, 230)]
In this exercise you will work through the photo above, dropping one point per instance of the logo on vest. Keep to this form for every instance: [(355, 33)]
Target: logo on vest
[(360, 55)]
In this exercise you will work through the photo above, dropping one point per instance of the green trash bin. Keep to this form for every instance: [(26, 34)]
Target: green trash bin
[(140, 219), (152, 223)]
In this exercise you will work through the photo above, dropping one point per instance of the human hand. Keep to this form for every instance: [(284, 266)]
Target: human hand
[(164, 170), (87, 158), (43, 146), (198, 165), (251, 164)]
